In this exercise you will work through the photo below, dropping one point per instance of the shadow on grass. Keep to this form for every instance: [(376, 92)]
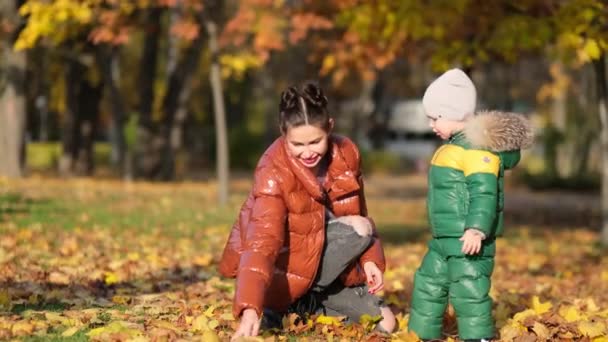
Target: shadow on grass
[(32, 295), (12, 203)]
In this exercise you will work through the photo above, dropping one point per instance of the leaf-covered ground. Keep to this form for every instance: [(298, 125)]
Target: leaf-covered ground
[(105, 260)]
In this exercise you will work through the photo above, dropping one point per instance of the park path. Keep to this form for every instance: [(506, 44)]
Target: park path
[(560, 208)]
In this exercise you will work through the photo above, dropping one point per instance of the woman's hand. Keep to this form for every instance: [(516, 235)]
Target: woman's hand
[(249, 326), (375, 279), (360, 224)]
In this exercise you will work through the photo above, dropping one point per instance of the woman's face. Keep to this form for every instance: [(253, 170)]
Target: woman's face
[(307, 143)]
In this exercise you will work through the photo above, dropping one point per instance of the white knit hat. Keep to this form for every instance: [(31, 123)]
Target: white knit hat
[(451, 96)]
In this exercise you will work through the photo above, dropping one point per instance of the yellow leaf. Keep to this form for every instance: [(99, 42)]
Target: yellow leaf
[(114, 327), (111, 278), (210, 336), (123, 300), (510, 331), (520, 316), (58, 318), (366, 319), (200, 323), (592, 329), (592, 49), (227, 316), (591, 306), (397, 285), (209, 311), (605, 275), (540, 308), (5, 300), (600, 339), (69, 332), (133, 256), (213, 324), (328, 320), (164, 325), (22, 328), (203, 260), (541, 331), (571, 314)]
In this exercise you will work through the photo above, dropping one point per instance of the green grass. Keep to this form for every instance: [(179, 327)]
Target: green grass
[(181, 216), (45, 155), (80, 336), (52, 306)]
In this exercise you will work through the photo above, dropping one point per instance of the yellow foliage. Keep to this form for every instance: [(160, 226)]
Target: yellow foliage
[(592, 329), (5, 300), (114, 327), (541, 331), (52, 19), (328, 320), (111, 278), (22, 328), (511, 331), (122, 300), (540, 308), (521, 316), (571, 314), (69, 332), (236, 65)]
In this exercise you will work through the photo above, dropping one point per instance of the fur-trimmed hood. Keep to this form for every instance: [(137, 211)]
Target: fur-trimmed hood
[(499, 131)]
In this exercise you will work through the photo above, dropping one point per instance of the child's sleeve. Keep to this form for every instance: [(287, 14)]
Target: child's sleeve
[(481, 172)]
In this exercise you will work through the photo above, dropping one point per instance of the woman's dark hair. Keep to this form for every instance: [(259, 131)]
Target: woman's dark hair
[(303, 105)]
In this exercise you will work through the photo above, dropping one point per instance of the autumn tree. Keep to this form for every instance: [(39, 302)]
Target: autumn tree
[(12, 93), (582, 38)]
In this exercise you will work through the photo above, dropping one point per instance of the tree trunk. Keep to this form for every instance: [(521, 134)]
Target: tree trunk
[(174, 111), (602, 94), (146, 150), (107, 59), (69, 134), (12, 101), (220, 117), (80, 122)]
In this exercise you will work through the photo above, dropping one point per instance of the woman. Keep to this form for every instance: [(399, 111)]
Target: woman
[(302, 240)]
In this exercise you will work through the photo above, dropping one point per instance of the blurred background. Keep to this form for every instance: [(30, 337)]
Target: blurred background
[(166, 90), (129, 130)]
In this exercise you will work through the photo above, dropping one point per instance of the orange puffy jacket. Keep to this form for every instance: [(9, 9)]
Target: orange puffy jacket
[(275, 246)]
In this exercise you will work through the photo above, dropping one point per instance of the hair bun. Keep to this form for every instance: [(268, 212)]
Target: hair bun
[(314, 95), (289, 99)]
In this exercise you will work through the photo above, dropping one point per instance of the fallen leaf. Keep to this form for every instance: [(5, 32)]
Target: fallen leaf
[(540, 308), (592, 329)]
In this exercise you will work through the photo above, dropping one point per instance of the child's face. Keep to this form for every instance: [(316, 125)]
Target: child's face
[(307, 143), (444, 128)]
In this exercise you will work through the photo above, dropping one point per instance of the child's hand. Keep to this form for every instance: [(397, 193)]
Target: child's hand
[(471, 241), (375, 279)]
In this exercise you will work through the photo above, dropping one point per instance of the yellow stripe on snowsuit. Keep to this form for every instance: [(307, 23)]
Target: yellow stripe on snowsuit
[(467, 161), (477, 161)]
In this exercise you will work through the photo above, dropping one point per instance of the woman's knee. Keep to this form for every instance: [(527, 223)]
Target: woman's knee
[(361, 225)]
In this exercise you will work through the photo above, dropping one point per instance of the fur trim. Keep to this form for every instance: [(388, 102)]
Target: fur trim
[(499, 131)]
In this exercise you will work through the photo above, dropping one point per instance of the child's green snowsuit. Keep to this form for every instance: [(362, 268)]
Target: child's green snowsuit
[(465, 191)]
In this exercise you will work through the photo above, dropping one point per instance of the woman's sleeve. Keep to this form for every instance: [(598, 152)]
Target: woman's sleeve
[(263, 239)]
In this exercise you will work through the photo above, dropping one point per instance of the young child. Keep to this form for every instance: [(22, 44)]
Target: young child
[(465, 203)]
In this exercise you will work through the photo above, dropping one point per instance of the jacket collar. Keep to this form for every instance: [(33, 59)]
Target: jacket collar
[(340, 179)]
